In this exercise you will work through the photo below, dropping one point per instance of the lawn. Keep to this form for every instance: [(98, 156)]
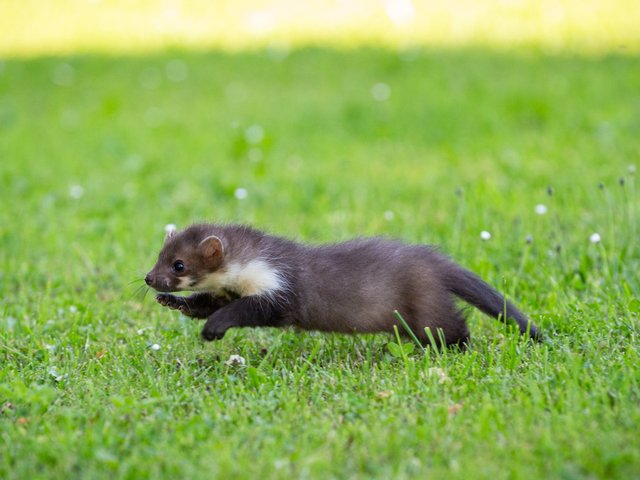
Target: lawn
[(431, 144)]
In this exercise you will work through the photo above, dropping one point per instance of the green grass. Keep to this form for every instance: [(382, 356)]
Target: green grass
[(470, 139)]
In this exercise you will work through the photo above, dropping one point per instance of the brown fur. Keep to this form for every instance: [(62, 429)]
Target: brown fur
[(349, 287)]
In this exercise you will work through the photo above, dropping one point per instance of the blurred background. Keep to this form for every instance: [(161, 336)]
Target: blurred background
[(427, 120), (31, 27)]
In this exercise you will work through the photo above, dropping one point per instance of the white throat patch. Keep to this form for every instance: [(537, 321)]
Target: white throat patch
[(256, 277)]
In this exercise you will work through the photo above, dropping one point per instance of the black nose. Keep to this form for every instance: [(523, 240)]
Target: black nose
[(148, 279)]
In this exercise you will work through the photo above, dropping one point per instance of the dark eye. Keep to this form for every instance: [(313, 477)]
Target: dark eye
[(178, 266)]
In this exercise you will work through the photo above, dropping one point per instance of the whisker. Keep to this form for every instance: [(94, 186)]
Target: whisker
[(145, 292), (138, 291)]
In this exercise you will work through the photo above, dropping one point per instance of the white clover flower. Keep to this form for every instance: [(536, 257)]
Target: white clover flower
[(236, 361), (541, 209), (56, 376), (631, 169), (155, 347), (439, 374), (241, 193), (76, 192), (254, 134), (484, 235), (389, 215), (595, 238), (381, 92), (169, 228), (280, 463)]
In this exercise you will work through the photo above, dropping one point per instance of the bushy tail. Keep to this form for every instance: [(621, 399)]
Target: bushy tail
[(472, 289)]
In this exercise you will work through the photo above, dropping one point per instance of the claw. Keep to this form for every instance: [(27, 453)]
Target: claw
[(162, 298), (167, 300)]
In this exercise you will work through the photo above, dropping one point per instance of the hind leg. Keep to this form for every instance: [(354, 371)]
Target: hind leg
[(446, 323)]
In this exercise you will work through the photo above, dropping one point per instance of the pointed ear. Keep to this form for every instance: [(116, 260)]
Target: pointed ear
[(171, 231), (211, 247)]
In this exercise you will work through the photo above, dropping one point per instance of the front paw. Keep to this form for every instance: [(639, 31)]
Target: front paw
[(210, 333), (173, 302), (168, 300)]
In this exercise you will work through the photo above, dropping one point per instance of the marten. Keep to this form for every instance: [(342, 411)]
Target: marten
[(247, 278)]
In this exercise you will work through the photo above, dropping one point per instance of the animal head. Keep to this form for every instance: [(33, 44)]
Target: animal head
[(187, 261)]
